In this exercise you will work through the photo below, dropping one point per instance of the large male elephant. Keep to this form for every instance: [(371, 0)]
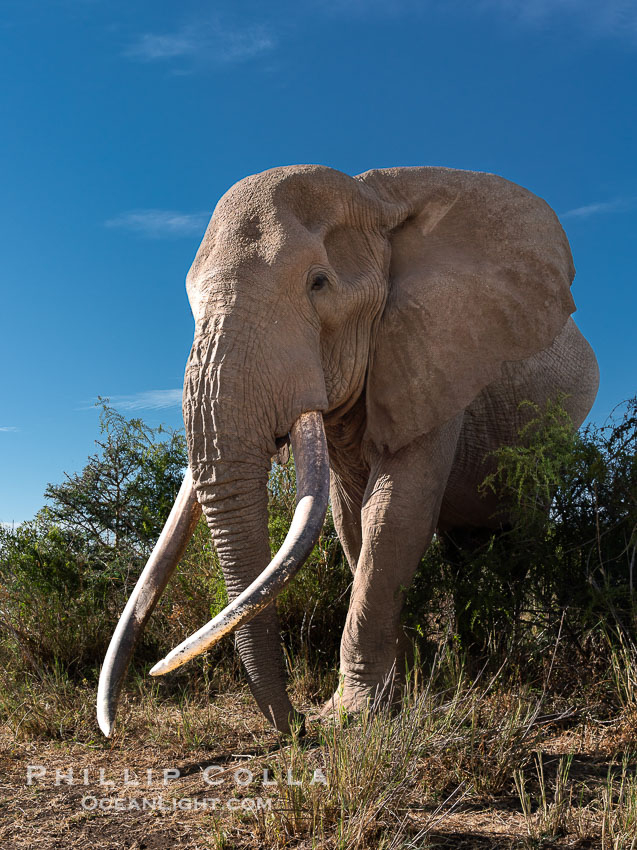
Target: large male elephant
[(388, 325)]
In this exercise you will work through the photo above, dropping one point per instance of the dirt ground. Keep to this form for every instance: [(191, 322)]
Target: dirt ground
[(134, 794)]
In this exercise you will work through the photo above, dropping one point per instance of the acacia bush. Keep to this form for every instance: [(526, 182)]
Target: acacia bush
[(65, 575)]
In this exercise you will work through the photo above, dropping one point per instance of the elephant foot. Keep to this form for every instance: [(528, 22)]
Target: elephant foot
[(341, 707), (294, 727), (351, 699)]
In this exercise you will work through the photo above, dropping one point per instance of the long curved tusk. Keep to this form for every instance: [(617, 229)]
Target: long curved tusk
[(167, 553), (309, 445)]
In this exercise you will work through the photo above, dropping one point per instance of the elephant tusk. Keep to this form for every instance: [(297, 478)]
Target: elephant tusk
[(309, 446), (167, 553)]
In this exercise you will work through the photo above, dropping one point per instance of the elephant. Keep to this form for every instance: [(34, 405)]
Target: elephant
[(387, 326)]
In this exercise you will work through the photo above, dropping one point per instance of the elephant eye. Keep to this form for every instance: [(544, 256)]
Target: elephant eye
[(319, 282)]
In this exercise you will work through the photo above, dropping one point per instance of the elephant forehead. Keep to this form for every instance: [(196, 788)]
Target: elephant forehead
[(225, 260), (245, 237), (227, 278), (313, 195), (253, 202), (273, 215)]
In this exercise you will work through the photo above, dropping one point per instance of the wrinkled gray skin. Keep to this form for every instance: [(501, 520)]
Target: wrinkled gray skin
[(415, 308)]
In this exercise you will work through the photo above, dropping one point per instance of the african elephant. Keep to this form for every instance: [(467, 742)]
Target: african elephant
[(390, 324)]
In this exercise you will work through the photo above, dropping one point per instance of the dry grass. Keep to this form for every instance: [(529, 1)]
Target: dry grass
[(456, 764)]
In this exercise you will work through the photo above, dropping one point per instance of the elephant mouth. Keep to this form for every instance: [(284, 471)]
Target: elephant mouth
[(282, 454)]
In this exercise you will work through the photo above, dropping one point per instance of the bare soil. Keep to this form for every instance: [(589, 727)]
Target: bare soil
[(59, 810)]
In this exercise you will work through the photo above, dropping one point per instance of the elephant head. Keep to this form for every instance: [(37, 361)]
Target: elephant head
[(404, 290)]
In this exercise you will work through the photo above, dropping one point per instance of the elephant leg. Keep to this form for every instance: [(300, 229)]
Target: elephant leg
[(347, 503), (264, 679), (349, 475), (399, 515)]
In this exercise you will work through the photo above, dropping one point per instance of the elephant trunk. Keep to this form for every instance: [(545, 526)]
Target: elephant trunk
[(234, 412), (235, 507)]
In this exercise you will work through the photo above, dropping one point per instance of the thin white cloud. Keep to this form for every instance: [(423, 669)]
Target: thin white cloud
[(151, 47), (207, 42), (147, 400), (9, 428), (158, 224), (593, 18), (597, 17), (616, 205)]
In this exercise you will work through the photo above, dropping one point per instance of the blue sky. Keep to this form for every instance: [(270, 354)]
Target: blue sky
[(123, 123)]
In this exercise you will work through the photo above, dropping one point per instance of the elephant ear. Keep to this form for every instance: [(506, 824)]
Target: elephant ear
[(479, 274)]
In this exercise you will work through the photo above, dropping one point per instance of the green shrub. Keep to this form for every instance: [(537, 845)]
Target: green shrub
[(564, 559)]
